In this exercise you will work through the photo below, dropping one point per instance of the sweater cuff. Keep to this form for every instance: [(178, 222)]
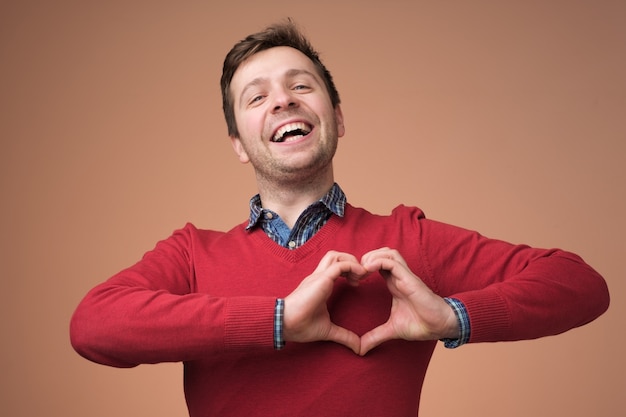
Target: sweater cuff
[(488, 314), (249, 322)]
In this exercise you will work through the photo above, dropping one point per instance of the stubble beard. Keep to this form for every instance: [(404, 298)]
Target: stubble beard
[(277, 172), (285, 174)]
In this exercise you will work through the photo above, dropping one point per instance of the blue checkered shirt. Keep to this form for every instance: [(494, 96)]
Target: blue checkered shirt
[(308, 223)]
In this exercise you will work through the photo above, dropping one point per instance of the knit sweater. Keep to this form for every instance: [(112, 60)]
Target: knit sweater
[(207, 298)]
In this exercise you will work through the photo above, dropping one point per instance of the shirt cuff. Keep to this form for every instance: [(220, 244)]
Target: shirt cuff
[(279, 309), (464, 324)]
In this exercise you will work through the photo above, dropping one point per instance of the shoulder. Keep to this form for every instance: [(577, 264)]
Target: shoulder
[(399, 213), (410, 212), (190, 235)]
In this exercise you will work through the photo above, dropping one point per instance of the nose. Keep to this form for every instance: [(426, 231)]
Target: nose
[(284, 99)]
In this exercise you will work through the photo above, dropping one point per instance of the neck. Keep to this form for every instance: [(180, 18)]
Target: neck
[(290, 199)]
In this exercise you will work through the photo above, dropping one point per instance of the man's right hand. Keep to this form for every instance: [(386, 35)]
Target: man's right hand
[(306, 317)]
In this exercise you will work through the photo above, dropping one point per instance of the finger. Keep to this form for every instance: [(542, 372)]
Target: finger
[(375, 337), (369, 259), (345, 337), (332, 257), (352, 270), (342, 256), (378, 263), (354, 280), (373, 254)]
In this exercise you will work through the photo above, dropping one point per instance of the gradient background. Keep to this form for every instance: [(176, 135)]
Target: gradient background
[(508, 117)]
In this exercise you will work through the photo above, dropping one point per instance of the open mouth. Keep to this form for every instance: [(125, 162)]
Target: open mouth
[(291, 131)]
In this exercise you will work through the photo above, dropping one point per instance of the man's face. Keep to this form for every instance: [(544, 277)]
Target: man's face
[(287, 125)]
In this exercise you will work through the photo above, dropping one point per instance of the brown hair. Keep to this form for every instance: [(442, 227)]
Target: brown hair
[(279, 34)]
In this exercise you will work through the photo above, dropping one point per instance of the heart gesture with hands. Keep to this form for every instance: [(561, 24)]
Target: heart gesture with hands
[(416, 312)]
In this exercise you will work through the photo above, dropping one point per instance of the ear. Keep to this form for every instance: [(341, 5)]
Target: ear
[(341, 129), (239, 150)]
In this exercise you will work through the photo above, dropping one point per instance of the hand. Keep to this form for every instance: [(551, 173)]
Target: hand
[(416, 313), (306, 317)]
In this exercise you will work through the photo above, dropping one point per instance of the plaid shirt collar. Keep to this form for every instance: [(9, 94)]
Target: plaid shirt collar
[(333, 202)]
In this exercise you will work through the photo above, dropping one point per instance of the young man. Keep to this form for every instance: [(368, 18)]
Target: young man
[(313, 307)]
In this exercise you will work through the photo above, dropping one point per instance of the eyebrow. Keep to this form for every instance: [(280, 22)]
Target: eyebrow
[(289, 74)]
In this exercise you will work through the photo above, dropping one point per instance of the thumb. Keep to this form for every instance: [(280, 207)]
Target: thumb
[(344, 337), (375, 337)]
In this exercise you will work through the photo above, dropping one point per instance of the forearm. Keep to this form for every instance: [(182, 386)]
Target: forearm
[(123, 326), (549, 296), (511, 292)]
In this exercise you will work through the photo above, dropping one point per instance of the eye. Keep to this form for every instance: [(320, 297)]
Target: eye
[(301, 87), (256, 99)]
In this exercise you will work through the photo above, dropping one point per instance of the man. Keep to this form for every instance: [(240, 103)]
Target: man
[(313, 307)]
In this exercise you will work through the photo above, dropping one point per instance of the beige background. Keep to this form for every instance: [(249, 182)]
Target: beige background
[(503, 116)]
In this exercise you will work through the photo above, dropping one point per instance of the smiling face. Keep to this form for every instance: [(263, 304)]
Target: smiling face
[(288, 127)]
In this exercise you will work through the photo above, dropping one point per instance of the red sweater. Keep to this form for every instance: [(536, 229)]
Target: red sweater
[(207, 298)]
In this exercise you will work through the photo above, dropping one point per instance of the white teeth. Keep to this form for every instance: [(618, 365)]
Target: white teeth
[(289, 127)]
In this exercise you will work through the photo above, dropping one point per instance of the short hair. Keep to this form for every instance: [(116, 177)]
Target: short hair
[(279, 34)]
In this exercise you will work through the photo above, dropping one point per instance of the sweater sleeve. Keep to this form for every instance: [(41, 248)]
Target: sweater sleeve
[(150, 313), (511, 292)]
